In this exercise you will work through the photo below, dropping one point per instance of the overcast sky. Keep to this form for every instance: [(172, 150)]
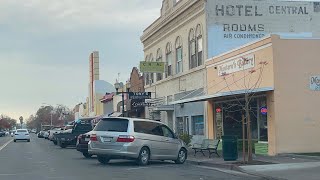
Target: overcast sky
[(45, 46)]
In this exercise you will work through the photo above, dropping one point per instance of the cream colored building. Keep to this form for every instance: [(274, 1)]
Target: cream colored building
[(181, 24)]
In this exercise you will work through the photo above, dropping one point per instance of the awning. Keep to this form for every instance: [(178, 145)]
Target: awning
[(222, 94), (164, 108)]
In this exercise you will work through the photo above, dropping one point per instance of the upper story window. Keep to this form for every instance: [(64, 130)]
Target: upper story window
[(199, 44), (159, 59), (192, 50), (179, 60), (168, 59)]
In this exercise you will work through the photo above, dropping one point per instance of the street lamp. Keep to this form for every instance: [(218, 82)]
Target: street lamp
[(118, 85)]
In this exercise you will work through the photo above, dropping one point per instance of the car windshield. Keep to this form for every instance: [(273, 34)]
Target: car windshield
[(113, 125)]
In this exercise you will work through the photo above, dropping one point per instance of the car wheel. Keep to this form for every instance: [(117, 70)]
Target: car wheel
[(144, 157), (87, 155), (14, 140), (55, 142), (63, 145), (182, 156), (103, 159), (28, 140)]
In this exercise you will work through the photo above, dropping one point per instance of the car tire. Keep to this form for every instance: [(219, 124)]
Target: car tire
[(87, 155), (63, 145), (144, 156), (103, 159), (14, 140), (182, 156), (28, 140), (55, 142)]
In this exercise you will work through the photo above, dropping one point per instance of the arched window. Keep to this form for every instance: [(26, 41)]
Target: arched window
[(159, 59), (147, 75), (169, 59), (179, 60), (192, 50), (199, 45), (151, 74)]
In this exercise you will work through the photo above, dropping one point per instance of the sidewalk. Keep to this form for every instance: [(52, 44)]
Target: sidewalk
[(263, 166)]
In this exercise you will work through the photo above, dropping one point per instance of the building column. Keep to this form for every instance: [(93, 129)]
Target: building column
[(210, 120), (272, 144)]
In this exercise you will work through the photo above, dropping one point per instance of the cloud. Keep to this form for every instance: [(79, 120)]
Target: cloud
[(56, 16)]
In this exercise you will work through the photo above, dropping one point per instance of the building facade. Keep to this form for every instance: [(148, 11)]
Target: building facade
[(188, 32), (177, 38), (278, 77)]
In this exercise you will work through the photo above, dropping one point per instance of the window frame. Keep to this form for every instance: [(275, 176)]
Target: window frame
[(179, 55)]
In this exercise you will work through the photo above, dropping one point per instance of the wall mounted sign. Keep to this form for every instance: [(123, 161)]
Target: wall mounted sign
[(315, 83), (140, 95), (236, 65), (152, 67)]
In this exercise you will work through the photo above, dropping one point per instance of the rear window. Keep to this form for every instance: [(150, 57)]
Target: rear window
[(23, 131), (83, 127), (112, 124)]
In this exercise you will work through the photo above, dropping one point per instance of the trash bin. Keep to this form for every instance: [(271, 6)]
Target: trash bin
[(230, 148)]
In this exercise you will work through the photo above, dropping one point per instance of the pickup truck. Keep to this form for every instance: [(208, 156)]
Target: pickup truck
[(69, 137)]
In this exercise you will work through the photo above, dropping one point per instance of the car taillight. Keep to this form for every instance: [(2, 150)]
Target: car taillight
[(93, 137), (125, 138)]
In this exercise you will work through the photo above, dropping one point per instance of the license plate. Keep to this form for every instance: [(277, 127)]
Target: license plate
[(106, 139), (87, 139)]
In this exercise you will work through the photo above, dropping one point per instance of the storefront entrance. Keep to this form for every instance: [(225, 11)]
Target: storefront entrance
[(228, 117)]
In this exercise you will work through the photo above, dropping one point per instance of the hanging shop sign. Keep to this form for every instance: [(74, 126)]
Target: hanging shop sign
[(315, 83), (139, 103), (152, 67), (140, 95)]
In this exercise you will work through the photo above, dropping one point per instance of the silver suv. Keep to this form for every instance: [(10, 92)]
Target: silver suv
[(139, 139)]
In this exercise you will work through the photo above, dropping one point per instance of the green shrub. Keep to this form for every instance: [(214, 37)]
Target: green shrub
[(186, 138), (246, 142)]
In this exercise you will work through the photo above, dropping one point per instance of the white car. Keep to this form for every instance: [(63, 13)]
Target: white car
[(46, 134), (54, 131), (21, 134)]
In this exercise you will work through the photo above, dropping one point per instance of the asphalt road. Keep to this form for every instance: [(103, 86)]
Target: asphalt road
[(40, 159)]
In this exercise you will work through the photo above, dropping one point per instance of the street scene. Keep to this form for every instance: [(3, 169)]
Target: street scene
[(161, 89)]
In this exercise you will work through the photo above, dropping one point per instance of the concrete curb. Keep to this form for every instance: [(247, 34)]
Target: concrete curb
[(232, 167), (300, 156)]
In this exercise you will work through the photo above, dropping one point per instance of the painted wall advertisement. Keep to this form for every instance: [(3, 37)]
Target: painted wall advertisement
[(232, 23)]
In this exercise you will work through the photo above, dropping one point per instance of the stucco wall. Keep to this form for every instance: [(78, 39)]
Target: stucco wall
[(296, 106)]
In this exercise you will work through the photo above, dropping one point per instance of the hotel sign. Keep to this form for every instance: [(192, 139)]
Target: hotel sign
[(315, 83), (236, 65), (233, 23)]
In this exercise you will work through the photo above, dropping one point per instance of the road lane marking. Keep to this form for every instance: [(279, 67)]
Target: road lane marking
[(3, 146)]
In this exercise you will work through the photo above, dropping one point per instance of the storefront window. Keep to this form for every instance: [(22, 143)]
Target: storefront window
[(197, 125), (182, 125)]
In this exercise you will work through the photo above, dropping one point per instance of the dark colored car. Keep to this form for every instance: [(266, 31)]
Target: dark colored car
[(2, 133), (40, 134), (70, 137), (82, 144)]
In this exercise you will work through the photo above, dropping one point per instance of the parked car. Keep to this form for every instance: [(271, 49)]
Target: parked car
[(46, 134), (69, 137), (54, 131), (2, 133), (65, 129), (7, 133), (12, 133), (33, 131), (21, 134), (40, 134), (139, 139), (82, 144)]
